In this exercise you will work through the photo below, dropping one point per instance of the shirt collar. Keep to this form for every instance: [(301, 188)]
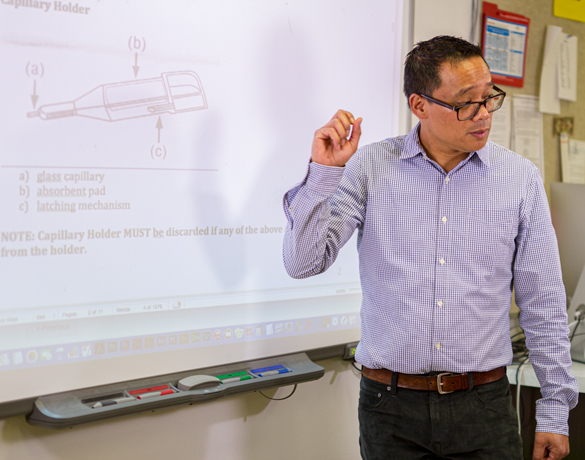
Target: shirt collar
[(413, 147)]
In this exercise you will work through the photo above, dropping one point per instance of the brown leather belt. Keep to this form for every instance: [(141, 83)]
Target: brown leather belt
[(445, 382)]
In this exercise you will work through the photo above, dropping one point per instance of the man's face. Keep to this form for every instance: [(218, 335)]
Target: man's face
[(461, 83)]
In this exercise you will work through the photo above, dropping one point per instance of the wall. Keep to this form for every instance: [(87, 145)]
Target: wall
[(318, 422), (540, 13)]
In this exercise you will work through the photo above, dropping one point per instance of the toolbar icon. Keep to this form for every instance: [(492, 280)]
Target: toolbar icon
[(46, 355), (17, 357)]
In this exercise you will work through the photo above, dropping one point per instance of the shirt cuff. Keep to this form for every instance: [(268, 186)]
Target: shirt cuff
[(552, 418), (324, 179)]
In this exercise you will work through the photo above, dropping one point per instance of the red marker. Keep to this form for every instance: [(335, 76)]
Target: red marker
[(148, 390), (155, 393)]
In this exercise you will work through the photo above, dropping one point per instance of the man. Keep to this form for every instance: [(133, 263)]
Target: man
[(447, 224)]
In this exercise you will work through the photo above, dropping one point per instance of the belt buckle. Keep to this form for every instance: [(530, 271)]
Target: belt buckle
[(440, 384)]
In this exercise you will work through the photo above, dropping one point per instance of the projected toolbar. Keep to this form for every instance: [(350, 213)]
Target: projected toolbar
[(14, 358), (40, 315)]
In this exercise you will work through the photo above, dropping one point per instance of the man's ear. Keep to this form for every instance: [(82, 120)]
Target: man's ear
[(419, 106)]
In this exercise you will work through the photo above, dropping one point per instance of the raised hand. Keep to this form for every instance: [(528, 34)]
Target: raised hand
[(331, 144)]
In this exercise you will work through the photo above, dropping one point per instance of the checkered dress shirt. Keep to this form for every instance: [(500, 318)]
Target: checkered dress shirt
[(439, 254)]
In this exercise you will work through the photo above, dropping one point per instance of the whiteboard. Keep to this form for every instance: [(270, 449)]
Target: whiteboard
[(146, 149)]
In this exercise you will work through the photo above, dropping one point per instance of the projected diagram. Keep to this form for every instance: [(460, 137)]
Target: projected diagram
[(173, 92)]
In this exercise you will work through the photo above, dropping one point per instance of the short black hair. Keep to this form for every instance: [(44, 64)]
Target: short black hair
[(422, 64)]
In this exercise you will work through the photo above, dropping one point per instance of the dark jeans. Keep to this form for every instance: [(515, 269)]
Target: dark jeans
[(471, 424)]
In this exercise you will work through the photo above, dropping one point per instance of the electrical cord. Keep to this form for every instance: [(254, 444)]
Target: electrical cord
[(576, 326), (280, 399), (519, 409), (520, 352), (519, 346), (516, 335)]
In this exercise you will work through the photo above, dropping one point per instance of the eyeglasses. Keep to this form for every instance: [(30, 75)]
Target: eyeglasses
[(470, 110)]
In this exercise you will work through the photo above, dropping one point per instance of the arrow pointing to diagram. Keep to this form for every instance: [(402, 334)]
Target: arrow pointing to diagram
[(33, 97), (135, 66), (159, 127)]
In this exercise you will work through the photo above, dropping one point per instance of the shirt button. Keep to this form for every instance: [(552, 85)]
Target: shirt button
[(444, 219), (442, 261), (440, 303), (447, 179), (438, 346)]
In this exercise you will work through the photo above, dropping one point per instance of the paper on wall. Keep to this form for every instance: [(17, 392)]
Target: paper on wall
[(441, 17), (549, 100), (569, 9), (567, 67), (505, 47), (527, 130), (501, 129), (572, 160)]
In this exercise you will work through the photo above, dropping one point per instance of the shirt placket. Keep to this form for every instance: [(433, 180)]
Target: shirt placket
[(441, 298)]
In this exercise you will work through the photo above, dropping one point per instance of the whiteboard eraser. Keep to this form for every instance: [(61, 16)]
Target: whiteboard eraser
[(196, 382)]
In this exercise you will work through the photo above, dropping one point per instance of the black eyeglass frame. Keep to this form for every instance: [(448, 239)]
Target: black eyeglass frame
[(456, 108)]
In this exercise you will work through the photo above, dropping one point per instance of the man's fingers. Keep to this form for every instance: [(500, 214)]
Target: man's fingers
[(348, 129), (356, 131), (550, 446), (337, 131), (328, 133), (337, 141), (343, 127), (345, 117), (539, 453)]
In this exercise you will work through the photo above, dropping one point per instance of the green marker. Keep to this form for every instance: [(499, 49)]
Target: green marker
[(237, 379), (234, 374)]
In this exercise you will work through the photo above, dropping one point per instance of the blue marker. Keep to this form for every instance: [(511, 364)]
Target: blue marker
[(266, 369), (266, 374)]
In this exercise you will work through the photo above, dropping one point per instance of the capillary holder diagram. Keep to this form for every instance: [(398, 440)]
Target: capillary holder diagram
[(172, 92)]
